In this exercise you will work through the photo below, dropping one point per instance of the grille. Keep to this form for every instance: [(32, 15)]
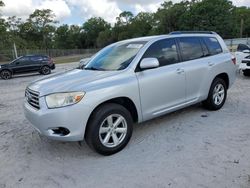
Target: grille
[(32, 98)]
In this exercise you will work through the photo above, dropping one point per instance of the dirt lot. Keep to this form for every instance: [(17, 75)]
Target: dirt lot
[(189, 148)]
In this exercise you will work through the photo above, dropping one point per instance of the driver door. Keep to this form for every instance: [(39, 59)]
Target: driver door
[(21, 65), (162, 89)]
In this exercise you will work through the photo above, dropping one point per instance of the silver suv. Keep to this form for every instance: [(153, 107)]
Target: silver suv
[(130, 82)]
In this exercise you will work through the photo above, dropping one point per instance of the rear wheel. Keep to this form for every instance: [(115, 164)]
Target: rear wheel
[(45, 70), (217, 95), (109, 129), (246, 72), (6, 74)]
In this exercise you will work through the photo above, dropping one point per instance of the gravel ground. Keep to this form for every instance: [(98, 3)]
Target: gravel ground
[(189, 148)]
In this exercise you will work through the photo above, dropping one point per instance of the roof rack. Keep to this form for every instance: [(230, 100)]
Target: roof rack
[(191, 32)]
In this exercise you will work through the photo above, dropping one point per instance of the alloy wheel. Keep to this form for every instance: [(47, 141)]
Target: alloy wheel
[(113, 130), (218, 94)]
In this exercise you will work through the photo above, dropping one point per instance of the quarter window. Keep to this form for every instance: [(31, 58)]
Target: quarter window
[(37, 58), (190, 48), (164, 50), (213, 45)]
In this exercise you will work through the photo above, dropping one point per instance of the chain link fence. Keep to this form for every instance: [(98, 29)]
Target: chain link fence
[(233, 43), (8, 55)]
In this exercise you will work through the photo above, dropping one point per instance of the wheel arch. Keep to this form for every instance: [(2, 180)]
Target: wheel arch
[(4, 69), (123, 101), (224, 76)]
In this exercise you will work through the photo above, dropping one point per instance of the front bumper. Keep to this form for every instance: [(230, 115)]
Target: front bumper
[(74, 118), (53, 66), (244, 66)]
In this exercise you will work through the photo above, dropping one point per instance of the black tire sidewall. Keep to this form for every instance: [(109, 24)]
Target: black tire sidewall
[(42, 70), (92, 132), (10, 75), (209, 103), (246, 72)]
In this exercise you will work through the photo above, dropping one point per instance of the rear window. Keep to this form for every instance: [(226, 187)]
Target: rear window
[(36, 58), (213, 45), (191, 48)]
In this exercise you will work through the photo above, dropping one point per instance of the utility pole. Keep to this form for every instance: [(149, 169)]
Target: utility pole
[(241, 27), (15, 51)]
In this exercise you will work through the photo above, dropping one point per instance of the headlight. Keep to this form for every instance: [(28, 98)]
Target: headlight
[(63, 99)]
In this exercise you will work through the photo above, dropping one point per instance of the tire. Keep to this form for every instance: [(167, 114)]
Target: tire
[(6, 74), (101, 128), (246, 72), (217, 95), (45, 70)]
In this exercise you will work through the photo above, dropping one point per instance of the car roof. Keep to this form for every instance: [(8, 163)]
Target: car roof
[(173, 35), (34, 55)]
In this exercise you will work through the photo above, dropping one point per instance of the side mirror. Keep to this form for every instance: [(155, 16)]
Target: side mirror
[(246, 51), (83, 63), (149, 63)]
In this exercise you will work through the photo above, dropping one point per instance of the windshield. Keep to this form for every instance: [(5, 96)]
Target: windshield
[(15, 59), (115, 57)]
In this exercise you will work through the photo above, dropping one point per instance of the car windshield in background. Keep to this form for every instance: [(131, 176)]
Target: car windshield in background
[(115, 57)]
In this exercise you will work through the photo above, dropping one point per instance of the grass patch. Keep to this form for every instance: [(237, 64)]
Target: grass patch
[(69, 59)]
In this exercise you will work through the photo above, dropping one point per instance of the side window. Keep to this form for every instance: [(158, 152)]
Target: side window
[(191, 48), (213, 45), (22, 60), (36, 59), (164, 50), (45, 58)]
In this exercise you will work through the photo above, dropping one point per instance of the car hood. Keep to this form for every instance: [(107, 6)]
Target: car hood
[(4, 65), (74, 80)]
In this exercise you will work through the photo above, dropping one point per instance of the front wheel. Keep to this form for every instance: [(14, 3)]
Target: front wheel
[(246, 72), (217, 95), (6, 74), (109, 129)]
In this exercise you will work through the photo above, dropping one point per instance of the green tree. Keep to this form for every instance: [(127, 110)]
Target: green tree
[(169, 16), (1, 3), (214, 15), (61, 37), (121, 28), (124, 18), (104, 38), (43, 22), (141, 25), (92, 27), (242, 16)]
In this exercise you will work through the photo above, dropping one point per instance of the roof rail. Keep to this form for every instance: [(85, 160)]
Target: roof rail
[(191, 32)]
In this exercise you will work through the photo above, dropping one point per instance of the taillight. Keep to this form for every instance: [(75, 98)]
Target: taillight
[(234, 60), (50, 61)]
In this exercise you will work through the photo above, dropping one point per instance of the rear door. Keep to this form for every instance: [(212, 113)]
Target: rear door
[(35, 63), (195, 63), (162, 88)]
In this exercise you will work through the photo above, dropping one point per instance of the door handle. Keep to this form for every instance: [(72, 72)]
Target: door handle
[(210, 64), (179, 71)]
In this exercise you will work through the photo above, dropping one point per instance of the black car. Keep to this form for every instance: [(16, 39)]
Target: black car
[(26, 64)]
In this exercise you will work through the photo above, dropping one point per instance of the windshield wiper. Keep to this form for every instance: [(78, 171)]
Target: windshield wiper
[(93, 68)]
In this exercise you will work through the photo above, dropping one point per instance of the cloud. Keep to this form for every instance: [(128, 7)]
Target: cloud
[(78, 11), (17, 8), (23, 8), (146, 8), (99, 8), (59, 7), (241, 3)]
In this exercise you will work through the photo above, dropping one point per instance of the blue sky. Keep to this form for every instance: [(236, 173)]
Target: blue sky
[(78, 11)]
